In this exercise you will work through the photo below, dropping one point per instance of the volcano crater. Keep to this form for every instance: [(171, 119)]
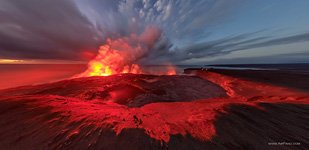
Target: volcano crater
[(132, 90)]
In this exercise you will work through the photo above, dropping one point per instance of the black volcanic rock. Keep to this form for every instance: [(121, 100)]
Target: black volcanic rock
[(129, 89), (154, 112)]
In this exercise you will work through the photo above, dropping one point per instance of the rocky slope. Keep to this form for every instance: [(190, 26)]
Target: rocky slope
[(207, 111)]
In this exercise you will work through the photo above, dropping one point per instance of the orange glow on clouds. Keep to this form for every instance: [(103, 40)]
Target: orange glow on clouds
[(11, 61), (111, 61), (38, 61), (119, 56)]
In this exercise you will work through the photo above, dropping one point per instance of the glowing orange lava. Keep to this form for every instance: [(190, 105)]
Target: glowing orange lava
[(112, 59), (119, 56), (171, 70)]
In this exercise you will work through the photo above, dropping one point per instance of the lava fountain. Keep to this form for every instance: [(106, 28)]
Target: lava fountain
[(120, 55), (111, 61)]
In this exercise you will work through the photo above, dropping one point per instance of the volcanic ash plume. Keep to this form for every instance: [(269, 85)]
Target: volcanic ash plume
[(120, 55)]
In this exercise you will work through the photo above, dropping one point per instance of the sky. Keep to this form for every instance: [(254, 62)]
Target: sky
[(189, 31)]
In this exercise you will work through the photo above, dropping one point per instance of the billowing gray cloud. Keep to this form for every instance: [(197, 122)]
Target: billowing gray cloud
[(228, 45), (44, 29), (68, 29)]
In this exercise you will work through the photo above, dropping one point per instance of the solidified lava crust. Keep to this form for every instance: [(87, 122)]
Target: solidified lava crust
[(207, 111), (133, 90)]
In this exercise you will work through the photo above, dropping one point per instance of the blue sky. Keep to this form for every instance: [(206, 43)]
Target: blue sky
[(192, 32)]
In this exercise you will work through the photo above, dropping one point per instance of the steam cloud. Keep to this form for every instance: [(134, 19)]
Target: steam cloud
[(121, 55)]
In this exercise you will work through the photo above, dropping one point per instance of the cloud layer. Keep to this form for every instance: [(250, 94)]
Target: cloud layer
[(44, 29), (188, 30)]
